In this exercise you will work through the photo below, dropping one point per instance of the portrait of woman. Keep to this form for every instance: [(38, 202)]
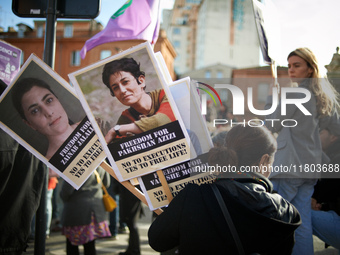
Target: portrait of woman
[(41, 110), (133, 110), (147, 110)]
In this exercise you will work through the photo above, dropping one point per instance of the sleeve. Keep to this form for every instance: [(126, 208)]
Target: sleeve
[(164, 231), (332, 123), (105, 176), (162, 115)]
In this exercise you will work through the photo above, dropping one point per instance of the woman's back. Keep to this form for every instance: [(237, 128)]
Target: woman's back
[(80, 204), (265, 222)]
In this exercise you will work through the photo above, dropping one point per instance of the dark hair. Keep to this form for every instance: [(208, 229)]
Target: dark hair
[(218, 140), (244, 146), (21, 88), (119, 65)]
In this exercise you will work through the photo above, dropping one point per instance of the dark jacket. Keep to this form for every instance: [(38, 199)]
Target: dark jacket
[(327, 190), (21, 181), (79, 204), (194, 221)]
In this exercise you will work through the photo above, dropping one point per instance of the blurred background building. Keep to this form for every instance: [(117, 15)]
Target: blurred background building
[(211, 41), (71, 36), (218, 34)]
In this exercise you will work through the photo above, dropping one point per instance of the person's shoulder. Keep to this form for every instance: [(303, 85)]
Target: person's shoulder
[(189, 189), (284, 208), (157, 92), (297, 92)]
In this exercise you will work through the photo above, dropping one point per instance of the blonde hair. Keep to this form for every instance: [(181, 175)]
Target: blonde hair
[(327, 98)]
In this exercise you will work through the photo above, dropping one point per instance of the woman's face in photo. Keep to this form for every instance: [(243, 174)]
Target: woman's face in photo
[(298, 69), (126, 88), (44, 112)]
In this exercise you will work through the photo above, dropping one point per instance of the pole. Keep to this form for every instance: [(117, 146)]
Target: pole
[(49, 55), (40, 219), (273, 66), (50, 33), (128, 185)]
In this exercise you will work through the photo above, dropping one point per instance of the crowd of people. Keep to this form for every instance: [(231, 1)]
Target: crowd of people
[(257, 212)]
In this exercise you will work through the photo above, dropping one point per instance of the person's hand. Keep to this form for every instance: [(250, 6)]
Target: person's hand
[(110, 135), (315, 205)]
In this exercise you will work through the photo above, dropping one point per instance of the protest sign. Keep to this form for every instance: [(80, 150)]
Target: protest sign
[(9, 61), (177, 177), (41, 111), (115, 91), (163, 67), (186, 99), (268, 30)]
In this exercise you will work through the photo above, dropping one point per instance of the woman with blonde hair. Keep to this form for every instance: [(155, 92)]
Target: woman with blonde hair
[(326, 95), (299, 152)]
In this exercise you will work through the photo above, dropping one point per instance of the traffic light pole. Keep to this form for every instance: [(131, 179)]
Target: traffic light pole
[(49, 59), (50, 33)]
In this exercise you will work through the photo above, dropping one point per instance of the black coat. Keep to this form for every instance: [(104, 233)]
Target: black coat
[(79, 205), (327, 189), (22, 178), (194, 221)]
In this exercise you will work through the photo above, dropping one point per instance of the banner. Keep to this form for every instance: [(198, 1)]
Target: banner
[(268, 29), (136, 19)]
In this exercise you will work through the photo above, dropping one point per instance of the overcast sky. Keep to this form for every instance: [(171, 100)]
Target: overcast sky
[(303, 23)]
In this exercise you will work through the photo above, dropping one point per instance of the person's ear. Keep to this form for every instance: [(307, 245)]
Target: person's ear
[(265, 165), (310, 71), (141, 80), (28, 124), (264, 159)]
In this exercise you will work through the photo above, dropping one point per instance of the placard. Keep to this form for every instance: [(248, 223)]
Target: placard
[(178, 176), (41, 111), (9, 61), (160, 140)]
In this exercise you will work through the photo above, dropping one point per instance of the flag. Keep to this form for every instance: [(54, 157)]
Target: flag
[(268, 29), (136, 19)]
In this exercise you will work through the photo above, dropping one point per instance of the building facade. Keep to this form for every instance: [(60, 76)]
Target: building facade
[(260, 80), (71, 36), (209, 32)]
